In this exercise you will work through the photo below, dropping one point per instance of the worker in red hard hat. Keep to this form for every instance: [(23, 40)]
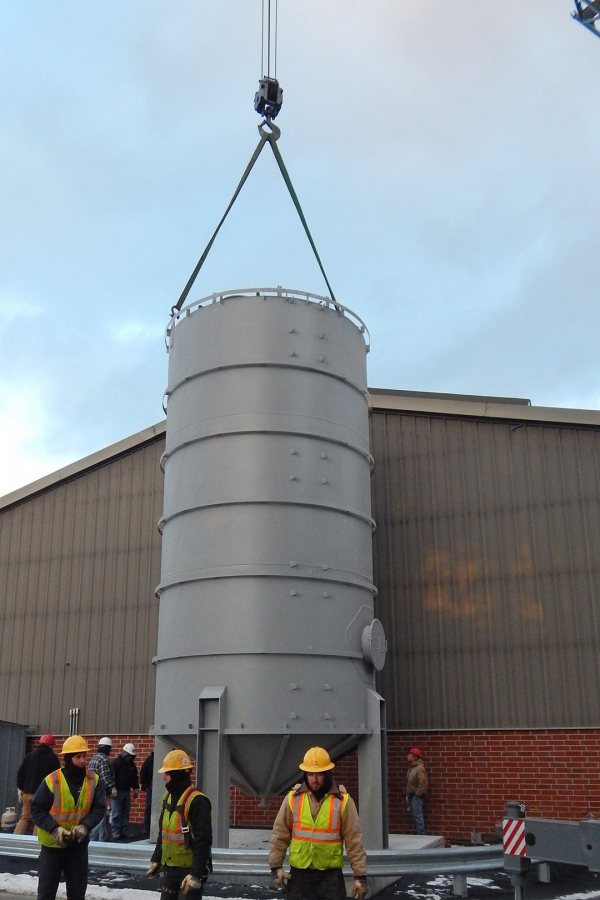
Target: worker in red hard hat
[(317, 819), (416, 788), (32, 771)]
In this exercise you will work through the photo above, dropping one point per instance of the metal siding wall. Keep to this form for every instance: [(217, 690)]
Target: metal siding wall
[(12, 751), (79, 622), (487, 566)]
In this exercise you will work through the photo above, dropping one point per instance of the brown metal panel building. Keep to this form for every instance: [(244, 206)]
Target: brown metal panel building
[(487, 563), (486, 558), (79, 562)]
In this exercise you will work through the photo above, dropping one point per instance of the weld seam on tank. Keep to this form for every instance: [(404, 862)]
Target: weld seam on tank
[(343, 652), (293, 504), (266, 365), (315, 438), (363, 585), (324, 577)]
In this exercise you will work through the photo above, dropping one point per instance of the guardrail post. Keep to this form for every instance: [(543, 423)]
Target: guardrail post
[(459, 885), (513, 840)]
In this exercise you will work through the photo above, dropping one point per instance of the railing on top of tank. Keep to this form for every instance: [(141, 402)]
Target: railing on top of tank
[(285, 293)]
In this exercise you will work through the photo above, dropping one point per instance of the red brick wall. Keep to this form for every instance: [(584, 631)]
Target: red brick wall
[(472, 774), (143, 744), (556, 773)]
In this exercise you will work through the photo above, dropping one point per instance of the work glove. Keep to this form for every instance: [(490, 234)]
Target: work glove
[(153, 868), (80, 833), (113, 792), (62, 836), (360, 888), (280, 878), (190, 883)]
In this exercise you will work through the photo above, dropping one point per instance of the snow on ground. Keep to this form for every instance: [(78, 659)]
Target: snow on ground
[(27, 884)]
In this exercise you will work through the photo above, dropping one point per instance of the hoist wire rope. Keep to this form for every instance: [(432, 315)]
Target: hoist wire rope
[(270, 138), (275, 40), (262, 40), (269, 39)]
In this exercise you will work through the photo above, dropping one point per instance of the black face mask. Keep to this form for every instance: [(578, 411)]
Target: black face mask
[(322, 790), (178, 782), (74, 773)]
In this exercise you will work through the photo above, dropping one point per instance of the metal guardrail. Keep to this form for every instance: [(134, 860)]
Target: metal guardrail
[(237, 864), (290, 294)]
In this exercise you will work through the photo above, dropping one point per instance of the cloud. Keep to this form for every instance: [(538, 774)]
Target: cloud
[(23, 424)]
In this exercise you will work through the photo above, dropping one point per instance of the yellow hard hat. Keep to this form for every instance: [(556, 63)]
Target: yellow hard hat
[(316, 760), (75, 744), (175, 761)]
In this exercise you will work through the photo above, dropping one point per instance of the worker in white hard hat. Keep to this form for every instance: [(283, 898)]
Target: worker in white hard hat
[(100, 763), (66, 806), (317, 819), (183, 848), (127, 784)]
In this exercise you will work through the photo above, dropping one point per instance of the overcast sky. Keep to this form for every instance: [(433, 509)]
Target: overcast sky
[(445, 155)]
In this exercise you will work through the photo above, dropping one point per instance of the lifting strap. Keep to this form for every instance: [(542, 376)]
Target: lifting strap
[(271, 137)]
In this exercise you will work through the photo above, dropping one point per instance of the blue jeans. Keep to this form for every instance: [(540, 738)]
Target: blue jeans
[(147, 810), (415, 805), (119, 819), (101, 831)]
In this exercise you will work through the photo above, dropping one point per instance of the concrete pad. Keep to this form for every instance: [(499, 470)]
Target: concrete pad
[(259, 838), (406, 843)]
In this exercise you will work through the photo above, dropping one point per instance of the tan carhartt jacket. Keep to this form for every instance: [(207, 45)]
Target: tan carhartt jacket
[(416, 780), (351, 831)]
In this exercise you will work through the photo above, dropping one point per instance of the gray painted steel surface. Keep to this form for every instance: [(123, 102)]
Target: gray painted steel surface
[(266, 583)]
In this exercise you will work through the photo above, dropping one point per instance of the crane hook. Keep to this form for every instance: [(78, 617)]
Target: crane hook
[(274, 134)]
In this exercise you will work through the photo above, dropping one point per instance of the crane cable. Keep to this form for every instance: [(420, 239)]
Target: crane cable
[(266, 137), (267, 4)]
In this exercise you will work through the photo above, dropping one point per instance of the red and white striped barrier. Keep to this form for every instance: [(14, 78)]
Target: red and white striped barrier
[(513, 837)]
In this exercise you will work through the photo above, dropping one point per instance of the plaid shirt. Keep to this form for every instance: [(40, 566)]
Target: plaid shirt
[(100, 763)]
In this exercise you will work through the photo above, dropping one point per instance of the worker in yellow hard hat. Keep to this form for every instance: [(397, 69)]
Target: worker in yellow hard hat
[(183, 848), (68, 803), (317, 819)]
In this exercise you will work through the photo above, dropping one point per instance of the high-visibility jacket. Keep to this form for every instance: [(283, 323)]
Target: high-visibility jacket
[(175, 831), (64, 810), (317, 843)]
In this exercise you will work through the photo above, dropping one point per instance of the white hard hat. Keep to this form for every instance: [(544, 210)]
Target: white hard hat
[(105, 742), (129, 748)]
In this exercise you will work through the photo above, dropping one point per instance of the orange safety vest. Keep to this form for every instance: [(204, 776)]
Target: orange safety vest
[(317, 843), (174, 830), (64, 810)]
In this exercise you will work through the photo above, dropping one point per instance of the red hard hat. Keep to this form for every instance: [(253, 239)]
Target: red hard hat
[(414, 751), (48, 739)]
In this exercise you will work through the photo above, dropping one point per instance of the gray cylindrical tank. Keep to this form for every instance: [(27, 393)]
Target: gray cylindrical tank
[(266, 582)]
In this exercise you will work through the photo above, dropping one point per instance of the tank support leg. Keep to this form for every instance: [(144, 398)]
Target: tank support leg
[(372, 776), (213, 756)]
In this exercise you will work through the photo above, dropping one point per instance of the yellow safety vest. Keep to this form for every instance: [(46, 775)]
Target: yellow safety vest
[(64, 810), (174, 830), (317, 843)]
